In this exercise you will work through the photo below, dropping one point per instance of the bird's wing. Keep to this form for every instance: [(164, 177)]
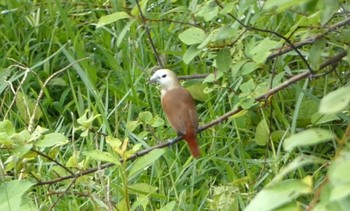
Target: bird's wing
[(179, 107)]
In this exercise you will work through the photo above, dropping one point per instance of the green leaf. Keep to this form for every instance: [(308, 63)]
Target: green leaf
[(115, 143), (315, 55), (145, 161), (197, 91), (307, 138), (7, 127), (102, 156), (168, 207), (145, 117), (298, 162), (223, 60), (12, 195), (52, 139), (157, 122), (262, 133), (282, 5), (273, 197), (248, 68), (340, 192), (335, 101), (190, 53), (107, 19), (330, 7), (132, 125), (86, 122), (142, 188), (135, 10), (208, 11), (339, 172), (224, 33), (262, 50), (192, 36), (318, 118), (26, 107), (227, 8)]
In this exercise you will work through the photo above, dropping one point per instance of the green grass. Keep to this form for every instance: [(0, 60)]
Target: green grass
[(101, 90)]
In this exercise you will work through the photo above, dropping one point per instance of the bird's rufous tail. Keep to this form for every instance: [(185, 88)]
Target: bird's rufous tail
[(192, 144)]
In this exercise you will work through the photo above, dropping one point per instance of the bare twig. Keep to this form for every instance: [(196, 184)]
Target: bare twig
[(31, 121), (51, 159), (309, 40), (160, 63), (26, 71)]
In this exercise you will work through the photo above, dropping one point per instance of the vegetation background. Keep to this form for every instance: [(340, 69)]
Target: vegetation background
[(81, 128)]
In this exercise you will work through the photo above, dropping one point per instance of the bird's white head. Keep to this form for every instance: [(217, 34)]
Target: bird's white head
[(166, 78)]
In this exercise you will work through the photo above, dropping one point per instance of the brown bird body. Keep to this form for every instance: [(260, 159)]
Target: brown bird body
[(179, 107)]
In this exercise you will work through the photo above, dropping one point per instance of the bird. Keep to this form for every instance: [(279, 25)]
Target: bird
[(179, 107)]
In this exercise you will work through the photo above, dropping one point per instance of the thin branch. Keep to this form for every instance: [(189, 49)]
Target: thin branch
[(160, 63), (309, 40), (51, 159), (32, 118)]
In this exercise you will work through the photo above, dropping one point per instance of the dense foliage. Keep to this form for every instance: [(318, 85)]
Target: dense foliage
[(271, 82)]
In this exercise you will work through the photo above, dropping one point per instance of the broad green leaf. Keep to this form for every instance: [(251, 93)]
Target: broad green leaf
[(7, 127), (136, 12), (5, 139), (298, 162), (197, 91), (262, 50), (318, 118), (107, 19), (52, 139), (227, 8), (124, 31), (307, 138), (213, 77), (282, 5), (247, 103), (38, 133), (315, 55), (340, 191), (330, 7), (335, 101), (223, 60), (248, 68), (143, 162), (21, 150), (86, 121), (168, 207), (142, 188), (247, 88), (339, 172), (73, 161), (145, 117), (26, 105), (262, 133), (208, 11), (225, 33), (192, 36), (13, 193), (190, 53), (115, 143), (157, 122), (132, 125), (285, 191), (102, 156)]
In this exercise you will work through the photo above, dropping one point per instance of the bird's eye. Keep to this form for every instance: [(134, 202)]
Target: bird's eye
[(163, 76)]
